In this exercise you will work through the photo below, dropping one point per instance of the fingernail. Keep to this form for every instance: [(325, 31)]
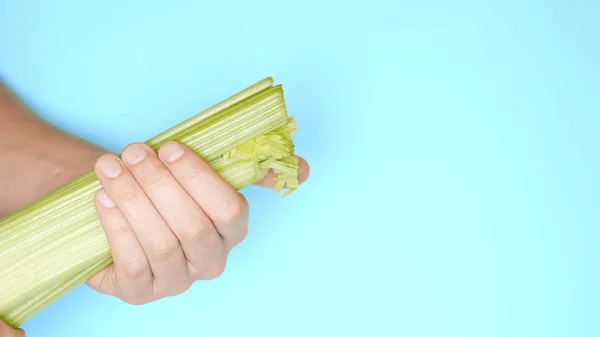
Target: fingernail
[(134, 154), (104, 199), (109, 167), (171, 151)]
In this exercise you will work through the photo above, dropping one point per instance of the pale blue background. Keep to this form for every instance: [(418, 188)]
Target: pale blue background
[(454, 149)]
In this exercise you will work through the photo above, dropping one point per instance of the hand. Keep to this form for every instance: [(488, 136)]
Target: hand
[(169, 220), (8, 331)]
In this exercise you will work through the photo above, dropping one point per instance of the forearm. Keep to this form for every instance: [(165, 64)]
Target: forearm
[(35, 158)]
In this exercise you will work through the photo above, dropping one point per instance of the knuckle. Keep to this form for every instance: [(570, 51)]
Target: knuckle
[(197, 231), (164, 249), (137, 269), (129, 194), (214, 270), (155, 182), (243, 233), (235, 210), (236, 237), (119, 227), (197, 178)]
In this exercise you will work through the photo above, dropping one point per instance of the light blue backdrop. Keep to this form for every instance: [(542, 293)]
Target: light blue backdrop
[(454, 151)]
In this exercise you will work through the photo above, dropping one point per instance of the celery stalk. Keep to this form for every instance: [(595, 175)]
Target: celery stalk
[(56, 243)]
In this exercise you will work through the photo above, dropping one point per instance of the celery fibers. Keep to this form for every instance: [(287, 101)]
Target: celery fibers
[(56, 243)]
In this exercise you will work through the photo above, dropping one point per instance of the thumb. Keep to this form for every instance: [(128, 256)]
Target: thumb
[(304, 172), (8, 331)]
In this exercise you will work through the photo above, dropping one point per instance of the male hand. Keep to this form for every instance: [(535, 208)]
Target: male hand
[(169, 219), (8, 331)]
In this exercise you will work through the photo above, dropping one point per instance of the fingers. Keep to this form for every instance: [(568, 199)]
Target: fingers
[(169, 219), (227, 209), (160, 245), (194, 230), (130, 275), (8, 331), (302, 177)]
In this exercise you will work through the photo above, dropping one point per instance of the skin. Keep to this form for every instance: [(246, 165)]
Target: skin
[(170, 220), (8, 331)]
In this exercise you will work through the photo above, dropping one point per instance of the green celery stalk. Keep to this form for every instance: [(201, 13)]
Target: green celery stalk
[(56, 243)]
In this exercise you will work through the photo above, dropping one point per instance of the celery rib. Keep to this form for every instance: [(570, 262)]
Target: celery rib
[(56, 243)]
